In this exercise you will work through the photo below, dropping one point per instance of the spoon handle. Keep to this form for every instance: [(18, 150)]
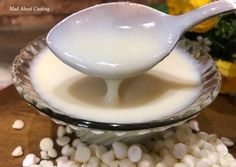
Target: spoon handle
[(198, 15)]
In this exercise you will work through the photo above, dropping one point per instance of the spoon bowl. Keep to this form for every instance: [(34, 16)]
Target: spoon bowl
[(122, 39)]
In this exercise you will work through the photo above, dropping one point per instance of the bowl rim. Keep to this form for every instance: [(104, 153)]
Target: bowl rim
[(49, 111)]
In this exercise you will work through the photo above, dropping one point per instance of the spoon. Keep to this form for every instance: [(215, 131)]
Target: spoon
[(122, 39)]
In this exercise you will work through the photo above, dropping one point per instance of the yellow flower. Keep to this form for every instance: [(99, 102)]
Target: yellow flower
[(177, 7), (228, 71)]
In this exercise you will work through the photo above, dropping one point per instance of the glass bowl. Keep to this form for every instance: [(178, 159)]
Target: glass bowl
[(106, 133)]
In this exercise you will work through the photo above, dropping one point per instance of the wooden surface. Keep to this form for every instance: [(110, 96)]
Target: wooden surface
[(219, 118)]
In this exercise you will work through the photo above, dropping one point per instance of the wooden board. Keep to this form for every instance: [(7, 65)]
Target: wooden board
[(219, 118)]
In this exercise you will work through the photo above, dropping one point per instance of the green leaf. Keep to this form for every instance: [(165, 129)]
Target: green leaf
[(159, 6)]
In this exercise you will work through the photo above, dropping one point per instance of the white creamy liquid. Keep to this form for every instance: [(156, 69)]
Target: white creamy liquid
[(168, 88)]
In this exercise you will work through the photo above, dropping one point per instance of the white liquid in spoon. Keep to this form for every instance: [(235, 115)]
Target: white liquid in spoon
[(168, 88), (114, 41)]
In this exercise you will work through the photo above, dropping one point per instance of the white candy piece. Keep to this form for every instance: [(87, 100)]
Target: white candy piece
[(180, 135), (52, 153), (195, 151), (215, 165), (46, 144), (135, 153), (36, 165), (227, 141), (189, 160), (82, 154), (67, 150), (46, 163), (126, 163), (68, 130), (100, 150), (17, 152), (204, 163), (62, 161), (169, 143), (181, 146), (29, 160), (18, 124), (214, 157), (76, 142), (169, 159), (61, 131), (71, 164), (44, 155), (146, 161), (203, 135), (62, 141), (179, 150), (102, 165), (114, 163), (180, 165), (158, 146), (93, 148), (108, 157), (193, 124), (93, 162), (222, 149), (120, 150), (167, 134), (161, 164)]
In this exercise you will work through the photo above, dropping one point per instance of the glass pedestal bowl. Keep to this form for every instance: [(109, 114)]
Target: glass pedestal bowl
[(106, 133)]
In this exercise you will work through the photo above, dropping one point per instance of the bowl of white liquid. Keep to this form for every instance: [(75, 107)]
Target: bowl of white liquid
[(174, 91)]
